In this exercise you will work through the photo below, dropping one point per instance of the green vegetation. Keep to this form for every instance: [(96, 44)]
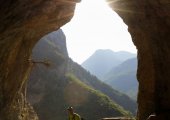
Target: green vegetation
[(123, 78), (89, 103), (102, 99), (117, 69), (52, 89), (96, 84)]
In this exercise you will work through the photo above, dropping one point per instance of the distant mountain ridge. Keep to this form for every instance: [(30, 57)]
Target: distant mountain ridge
[(53, 88), (102, 61), (123, 78), (91, 80)]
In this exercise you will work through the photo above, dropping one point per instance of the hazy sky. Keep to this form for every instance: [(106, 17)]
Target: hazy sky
[(95, 26)]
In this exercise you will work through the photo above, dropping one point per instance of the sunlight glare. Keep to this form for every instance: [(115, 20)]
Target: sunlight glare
[(95, 26)]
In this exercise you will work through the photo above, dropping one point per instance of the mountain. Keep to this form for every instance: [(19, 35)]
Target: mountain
[(102, 61), (123, 78), (92, 81), (52, 86)]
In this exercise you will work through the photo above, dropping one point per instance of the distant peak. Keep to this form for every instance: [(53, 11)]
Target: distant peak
[(104, 50)]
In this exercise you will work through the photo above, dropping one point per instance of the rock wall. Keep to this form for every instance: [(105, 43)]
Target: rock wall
[(149, 25), (23, 23)]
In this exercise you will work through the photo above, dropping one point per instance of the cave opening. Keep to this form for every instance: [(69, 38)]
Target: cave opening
[(109, 37), (23, 23), (96, 29), (99, 30)]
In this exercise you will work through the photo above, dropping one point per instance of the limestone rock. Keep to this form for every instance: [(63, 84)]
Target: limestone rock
[(23, 23), (149, 25)]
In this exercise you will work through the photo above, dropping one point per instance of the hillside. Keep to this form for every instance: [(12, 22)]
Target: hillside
[(123, 78), (53, 94), (51, 89), (95, 83), (102, 61)]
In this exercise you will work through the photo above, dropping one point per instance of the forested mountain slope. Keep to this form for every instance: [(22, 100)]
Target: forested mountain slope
[(51, 88), (123, 78)]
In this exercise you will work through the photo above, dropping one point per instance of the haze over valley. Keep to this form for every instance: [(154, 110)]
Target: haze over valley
[(117, 69)]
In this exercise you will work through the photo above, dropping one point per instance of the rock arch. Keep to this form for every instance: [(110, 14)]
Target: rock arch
[(24, 22)]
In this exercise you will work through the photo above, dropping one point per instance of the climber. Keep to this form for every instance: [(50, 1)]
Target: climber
[(72, 115)]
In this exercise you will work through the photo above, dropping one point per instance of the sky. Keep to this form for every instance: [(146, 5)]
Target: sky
[(95, 26)]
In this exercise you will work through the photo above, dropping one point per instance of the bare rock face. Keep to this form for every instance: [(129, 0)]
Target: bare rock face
[(23, 23), (149, 25)]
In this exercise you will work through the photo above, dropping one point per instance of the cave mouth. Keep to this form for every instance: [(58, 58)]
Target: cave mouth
[(96, 29), (20, 31), (110, 35)]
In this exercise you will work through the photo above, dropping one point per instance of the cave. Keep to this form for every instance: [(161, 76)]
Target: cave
[(24, 22)]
